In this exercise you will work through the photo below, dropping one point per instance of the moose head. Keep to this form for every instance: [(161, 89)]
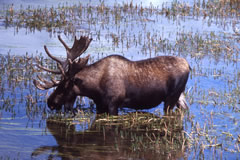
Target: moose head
[(66, 91)]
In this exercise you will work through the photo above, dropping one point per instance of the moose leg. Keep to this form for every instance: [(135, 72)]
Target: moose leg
[(111, 105), (68, 106), (168, 107), (113, 109), (170, 102), (101, 108), (110, 109)]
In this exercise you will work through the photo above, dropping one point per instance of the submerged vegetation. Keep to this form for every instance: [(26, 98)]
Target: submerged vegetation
[(68, 18), (205, 32), (134, 135)]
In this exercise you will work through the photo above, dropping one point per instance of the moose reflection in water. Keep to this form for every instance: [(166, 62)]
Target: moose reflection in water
[(115, 81), (133, 135)]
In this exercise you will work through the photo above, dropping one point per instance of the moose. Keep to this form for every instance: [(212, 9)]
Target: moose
[(114, 81)]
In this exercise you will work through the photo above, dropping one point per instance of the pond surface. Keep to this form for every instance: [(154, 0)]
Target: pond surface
[(206, 33)]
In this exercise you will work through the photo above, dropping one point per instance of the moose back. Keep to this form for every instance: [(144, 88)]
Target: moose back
[(115, 81)]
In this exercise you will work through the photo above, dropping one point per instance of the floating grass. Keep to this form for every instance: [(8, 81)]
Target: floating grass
[(140, 131)]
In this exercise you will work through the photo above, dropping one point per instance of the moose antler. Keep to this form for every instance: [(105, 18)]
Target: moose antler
[(78, 48), (46, 84)]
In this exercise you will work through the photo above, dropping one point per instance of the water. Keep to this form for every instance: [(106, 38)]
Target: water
[(209, 42)]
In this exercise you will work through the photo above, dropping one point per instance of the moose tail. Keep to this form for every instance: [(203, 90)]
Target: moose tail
[(182, 103)]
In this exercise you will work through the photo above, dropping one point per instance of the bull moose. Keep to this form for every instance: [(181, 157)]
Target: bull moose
[(115, 81)]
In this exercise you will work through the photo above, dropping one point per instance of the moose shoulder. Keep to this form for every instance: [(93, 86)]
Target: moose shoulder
[(115, 81)]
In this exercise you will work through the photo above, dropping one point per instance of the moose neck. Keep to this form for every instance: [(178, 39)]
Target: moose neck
[(90, 77)]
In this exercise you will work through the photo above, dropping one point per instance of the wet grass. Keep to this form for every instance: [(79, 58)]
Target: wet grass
[(210, 129), (133, 135), (16, 85)]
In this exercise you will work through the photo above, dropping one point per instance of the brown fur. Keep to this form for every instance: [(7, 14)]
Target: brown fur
[(115, 81)]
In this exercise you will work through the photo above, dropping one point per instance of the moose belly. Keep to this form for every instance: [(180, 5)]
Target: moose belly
[(144, 99)]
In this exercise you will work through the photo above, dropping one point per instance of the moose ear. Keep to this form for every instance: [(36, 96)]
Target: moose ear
[(83, 61)]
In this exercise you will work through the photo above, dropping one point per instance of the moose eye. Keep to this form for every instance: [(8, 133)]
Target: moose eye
[(77, 81)]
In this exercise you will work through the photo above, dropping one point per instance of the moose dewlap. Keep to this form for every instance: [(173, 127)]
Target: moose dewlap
[(115, 81)]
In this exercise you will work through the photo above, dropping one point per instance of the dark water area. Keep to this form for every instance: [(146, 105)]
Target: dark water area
[(206, 33)]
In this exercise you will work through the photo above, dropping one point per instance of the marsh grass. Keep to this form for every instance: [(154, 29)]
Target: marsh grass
[(16, 86), (136, 133)]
